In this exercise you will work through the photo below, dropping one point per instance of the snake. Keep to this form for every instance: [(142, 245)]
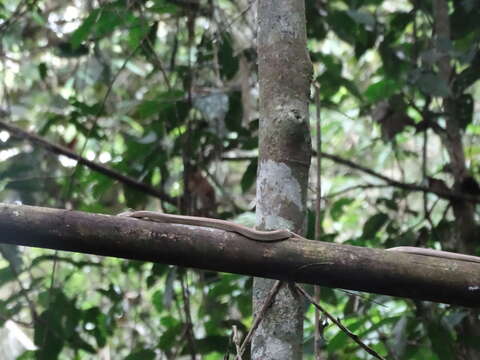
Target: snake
[(252, 234), (276, 235)]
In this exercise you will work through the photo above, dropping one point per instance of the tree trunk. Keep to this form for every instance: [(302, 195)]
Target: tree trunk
[(285, 73), (464, 211)]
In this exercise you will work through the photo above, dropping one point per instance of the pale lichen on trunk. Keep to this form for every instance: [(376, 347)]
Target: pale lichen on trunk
[(280, 190)]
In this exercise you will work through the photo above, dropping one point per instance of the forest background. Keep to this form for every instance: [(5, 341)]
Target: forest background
[(166, 93)]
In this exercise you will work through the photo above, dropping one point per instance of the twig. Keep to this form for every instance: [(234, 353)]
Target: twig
[(188, 317), (357, 187), (319, 334), (58, 149), (448, 195), (339, 324), (17, 14), (236, 338), (268, 302)]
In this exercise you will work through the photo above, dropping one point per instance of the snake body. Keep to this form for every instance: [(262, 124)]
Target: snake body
[(436, 253), (257, 235), (276, 235)]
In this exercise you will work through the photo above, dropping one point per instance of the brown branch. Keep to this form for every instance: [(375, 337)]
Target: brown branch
[(58, 149), (295, 259), (357, 187), (447, 195), (188, 318), (395, 183)]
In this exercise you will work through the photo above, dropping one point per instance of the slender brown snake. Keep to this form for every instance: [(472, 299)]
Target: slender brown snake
[(276, 235), (257, 235)]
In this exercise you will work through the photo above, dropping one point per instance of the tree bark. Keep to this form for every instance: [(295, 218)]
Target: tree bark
[(464, 211), (295, 259), (285, 73)]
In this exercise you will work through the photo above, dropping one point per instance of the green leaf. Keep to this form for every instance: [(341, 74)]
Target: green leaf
[(362, 17), (169, 106), (103, 21), (42, 70), (147, 108), (373, 225), (111, 17), (381, 90), (85, 29), (341, 340), (222, 287), (11, 253), (393, 64), (169, 336), (233, 118), (66, 49), (337, 208), (49, 339), (367, 40), (87, 110), (464, 19), (213, 343), (227, 61), (441, 339), (157, 271), (113, 293), (164, 7), (311, 218), (343, 25), (249, 176), (27, 355), (139, 34), (6, 275), (400, 20), (144, 354), (157, 300), (95, 323), (100, 185), (389, 203), (51, 119), (316, 26), (351, 87), (76, 342)]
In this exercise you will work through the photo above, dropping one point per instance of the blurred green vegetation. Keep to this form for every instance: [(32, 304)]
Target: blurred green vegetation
[(165, 92)]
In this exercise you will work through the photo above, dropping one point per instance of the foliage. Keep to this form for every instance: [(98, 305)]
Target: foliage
[(164, 91)]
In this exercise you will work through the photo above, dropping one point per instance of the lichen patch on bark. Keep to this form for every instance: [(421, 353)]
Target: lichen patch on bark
[(278, 188)]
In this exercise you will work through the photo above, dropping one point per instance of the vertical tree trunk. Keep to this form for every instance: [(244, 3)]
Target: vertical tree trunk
[(285, 73), (464, 212)]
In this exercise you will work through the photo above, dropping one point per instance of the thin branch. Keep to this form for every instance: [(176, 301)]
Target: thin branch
[(58, 149), (261, 314), (447, 195), (18, 322), (318, 319), (163, 196), (357, 187), (188, 317), (337, 322), (16, 15)]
